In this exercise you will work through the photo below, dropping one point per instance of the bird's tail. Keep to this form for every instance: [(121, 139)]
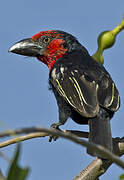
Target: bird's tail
[(100, 132)]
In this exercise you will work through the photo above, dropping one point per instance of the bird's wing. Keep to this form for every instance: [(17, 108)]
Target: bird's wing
[(85, 87), (108, 95), (80, 93)]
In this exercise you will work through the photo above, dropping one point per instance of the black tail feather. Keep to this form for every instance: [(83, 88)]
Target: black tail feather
[(100, 132)]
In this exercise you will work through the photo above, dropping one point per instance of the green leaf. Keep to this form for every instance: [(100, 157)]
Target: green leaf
[(122, 177), (15, 171)]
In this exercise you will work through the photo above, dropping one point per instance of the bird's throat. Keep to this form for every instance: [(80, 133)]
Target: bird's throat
[(50, 60), (54, 51)]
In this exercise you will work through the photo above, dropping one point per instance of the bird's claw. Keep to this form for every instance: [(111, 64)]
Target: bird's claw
[(52, 137)]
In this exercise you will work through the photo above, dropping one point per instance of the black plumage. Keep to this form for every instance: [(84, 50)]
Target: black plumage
[(86, 84), (85, 92)]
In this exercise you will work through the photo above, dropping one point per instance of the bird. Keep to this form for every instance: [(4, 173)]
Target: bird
[(84, 90)]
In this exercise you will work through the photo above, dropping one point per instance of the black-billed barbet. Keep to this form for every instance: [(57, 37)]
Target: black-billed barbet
[(83, 88)]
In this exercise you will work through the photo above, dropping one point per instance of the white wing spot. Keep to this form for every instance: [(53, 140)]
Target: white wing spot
[(54, 73), (62, 70), (75, 70)]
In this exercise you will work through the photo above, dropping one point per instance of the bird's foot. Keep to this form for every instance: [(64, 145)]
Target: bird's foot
[(52, 137)]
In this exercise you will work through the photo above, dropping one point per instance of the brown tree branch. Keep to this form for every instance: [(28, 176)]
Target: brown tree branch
[(1, 176), (45, 132), (19, 131), (99, 166)]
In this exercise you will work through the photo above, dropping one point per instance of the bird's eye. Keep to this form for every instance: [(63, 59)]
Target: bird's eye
[(46, 40)]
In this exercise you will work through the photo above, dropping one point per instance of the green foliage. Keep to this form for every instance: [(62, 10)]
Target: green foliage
[(15, 171), (122, 177)]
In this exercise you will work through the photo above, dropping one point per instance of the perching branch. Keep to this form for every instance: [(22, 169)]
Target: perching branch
[(7, 133), (99, 166), (1, 176), (41, 132)]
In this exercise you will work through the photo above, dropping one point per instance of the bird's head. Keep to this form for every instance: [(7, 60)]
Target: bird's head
[(46, 46)]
